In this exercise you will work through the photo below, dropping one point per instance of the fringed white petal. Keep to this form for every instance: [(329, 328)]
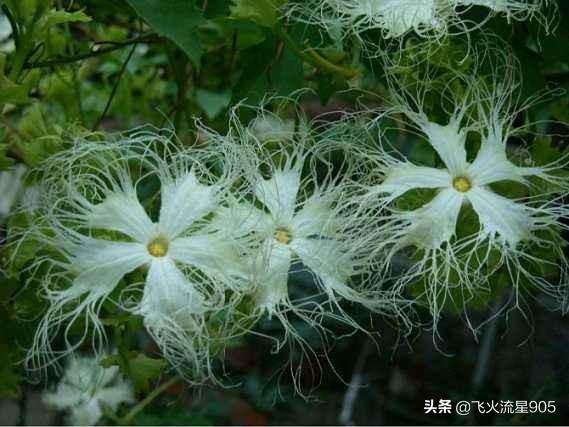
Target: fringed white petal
[(64, 397), (173, 311), (169, 293), (508, 6), (400, 16), (84, 386), (184, 201), (279, 193), (448, 141), (492, 165), (86, 414), (315, 217), (240, 219), (434, 223), (327, 261), (501, 218), (406, 176), (207, 252), (102, 263), (395, 17), (113, 396), (272, 288), (122, 212)]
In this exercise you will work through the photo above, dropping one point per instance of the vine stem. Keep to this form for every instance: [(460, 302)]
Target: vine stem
[(346, 416), (115, 88), (127, 419), (312, 56), (483, 361), (92, 54)]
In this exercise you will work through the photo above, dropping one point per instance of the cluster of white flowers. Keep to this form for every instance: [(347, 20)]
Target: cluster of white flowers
[(429, 19), (201, 242), (87, 389), (204, 241)]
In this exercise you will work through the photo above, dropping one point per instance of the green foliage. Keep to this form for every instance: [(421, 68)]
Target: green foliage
[(172, 416), (212, 103), (176, 20), (140, 368), (262, 12)]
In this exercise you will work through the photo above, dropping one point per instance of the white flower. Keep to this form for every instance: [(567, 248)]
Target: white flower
[(429, 19), (93, 216), (294, 221), (506, 232), (288, 229), (512, 8), (272, 128), (11, 183), (86, 389), (394, 17)]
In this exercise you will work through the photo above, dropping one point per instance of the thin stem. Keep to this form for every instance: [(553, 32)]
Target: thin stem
[(13, 24), (115, 88), (346, 416), (328, 66), (483, 362), (313, 57), (92, 54), (127, 419)]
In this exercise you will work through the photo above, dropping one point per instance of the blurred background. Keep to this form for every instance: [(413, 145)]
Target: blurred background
[(510, 362)]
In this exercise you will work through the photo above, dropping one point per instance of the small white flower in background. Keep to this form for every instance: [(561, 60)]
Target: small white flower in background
[(11, 186), (90, 212), (272, 128), (507, 230), (86, 389)]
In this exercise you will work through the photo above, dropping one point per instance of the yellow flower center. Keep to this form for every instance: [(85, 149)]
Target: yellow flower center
[(283, 235), (158, 247), (461, 184)]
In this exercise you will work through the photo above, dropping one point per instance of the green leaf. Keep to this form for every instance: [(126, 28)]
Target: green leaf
[(140, 368), (10, 372), (254, 62), (543, 151), (38, 136), (262, 12), (176, 20), (10, 92), (287, 75), (144, 368), (5, 161), (22, 253), (27, 11), (213, 103), (57, 17)]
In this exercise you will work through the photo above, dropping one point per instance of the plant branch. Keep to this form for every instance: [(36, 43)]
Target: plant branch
[(127, 419), (485, 353), (356, 383), (94, 53), (313, 57), (115, 88)]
